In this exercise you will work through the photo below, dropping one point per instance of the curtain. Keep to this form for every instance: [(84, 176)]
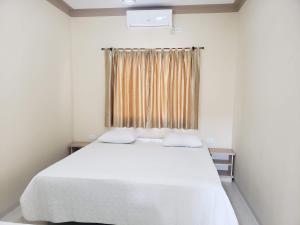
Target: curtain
[(152, 88)]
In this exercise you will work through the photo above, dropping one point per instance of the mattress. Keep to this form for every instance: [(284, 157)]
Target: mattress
[(130, 184)]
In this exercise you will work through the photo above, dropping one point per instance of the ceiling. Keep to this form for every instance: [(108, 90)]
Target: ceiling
[(101, 4), (94, 8)]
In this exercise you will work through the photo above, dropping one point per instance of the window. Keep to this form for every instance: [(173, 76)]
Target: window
[(152, 88)]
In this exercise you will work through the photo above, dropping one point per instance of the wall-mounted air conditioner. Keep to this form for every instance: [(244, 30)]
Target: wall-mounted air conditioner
[(149, 18)]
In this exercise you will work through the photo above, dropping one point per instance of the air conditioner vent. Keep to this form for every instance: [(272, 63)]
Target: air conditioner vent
[(149, 18)]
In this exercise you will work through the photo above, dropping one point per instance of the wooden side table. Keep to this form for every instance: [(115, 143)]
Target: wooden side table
[(75, 146), (224, 158)]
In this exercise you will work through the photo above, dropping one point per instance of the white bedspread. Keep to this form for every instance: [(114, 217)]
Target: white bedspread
[(130, 184)]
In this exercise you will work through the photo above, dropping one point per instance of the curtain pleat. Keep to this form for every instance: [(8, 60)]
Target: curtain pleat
[(150, 88)]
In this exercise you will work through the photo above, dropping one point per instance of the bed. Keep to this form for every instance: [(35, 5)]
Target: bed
[(130, 184)]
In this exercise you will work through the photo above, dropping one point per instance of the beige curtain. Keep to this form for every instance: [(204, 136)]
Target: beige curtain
[(152, 88)]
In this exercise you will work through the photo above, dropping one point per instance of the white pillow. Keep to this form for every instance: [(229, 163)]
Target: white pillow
[(150, 140), (182, 140), (185, 131), (118, 136), (153, 133)]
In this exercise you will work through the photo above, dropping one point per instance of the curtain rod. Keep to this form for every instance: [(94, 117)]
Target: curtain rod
[(193, 48)]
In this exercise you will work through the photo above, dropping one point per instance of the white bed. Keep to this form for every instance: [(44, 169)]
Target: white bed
[(130, 184)]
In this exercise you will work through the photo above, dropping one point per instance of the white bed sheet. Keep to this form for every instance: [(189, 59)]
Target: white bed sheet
[(130, 184)]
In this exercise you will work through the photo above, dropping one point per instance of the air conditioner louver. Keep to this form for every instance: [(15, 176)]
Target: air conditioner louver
[(149, 18)]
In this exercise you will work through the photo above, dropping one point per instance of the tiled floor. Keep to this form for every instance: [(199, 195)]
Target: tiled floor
[(243, 212)]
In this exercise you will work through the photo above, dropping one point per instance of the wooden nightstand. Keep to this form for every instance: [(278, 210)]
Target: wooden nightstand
[(224, 161), (74, 146)]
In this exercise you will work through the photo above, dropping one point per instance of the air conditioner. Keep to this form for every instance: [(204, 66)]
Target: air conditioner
[(149, 18)]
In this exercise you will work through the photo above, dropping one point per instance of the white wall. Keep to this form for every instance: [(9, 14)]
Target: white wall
[(267, 124), (217, 32), (35, 92)]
